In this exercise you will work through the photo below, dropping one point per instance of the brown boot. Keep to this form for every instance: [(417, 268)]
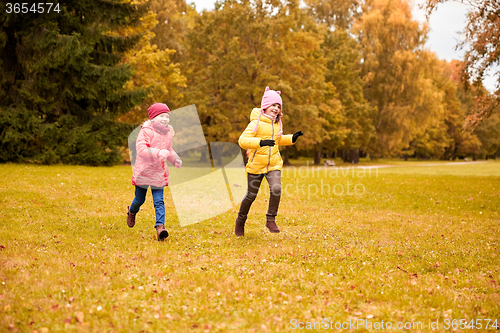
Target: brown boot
[(239, 229), (161, 232), (130, 218), (271, 225)]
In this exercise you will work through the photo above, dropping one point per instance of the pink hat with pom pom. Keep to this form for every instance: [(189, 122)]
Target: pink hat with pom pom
[(270, 97)]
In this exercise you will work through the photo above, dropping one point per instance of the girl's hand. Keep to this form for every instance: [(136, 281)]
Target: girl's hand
[(163, 154), (296, 136), (269, 143), (178, 163)]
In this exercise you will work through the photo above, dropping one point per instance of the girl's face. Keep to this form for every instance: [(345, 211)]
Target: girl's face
[(273, 110), (162, 119)]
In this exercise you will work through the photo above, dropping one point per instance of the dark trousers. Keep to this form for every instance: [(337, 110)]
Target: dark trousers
[(254, 181)]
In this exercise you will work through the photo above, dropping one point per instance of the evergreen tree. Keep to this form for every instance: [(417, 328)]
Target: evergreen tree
[(61, 82)]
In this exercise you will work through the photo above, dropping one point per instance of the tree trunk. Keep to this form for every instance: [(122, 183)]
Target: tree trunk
[(345, 155), (317, 157), (203, 157), (355, 156), (217, 151), (286, 156)]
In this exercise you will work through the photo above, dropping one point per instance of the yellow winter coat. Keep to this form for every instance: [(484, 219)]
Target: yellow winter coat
[(263, 159)]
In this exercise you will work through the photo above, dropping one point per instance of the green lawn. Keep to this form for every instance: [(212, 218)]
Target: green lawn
[(402, 244)]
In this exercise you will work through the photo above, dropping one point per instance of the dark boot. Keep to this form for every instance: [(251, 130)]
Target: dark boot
[(130, 218), (161, 232), (239, 229), (271, 225)]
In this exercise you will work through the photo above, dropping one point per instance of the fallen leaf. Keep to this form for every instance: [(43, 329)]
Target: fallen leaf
[(79, 317)]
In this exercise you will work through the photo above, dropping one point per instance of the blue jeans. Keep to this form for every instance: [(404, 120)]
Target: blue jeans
[(140, 197)]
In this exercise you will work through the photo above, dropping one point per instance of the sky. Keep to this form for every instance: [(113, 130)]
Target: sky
[(446, 23)]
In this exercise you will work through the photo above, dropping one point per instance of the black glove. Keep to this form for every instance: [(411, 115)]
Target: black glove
[(269, 143), (296, 136)]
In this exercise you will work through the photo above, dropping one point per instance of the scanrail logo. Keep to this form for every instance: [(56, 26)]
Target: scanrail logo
[(212, 178)]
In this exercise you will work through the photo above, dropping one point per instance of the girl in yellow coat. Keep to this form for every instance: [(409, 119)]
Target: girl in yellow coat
[(263, 136)]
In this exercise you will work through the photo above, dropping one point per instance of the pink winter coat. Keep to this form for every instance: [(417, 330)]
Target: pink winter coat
[(148, 168)]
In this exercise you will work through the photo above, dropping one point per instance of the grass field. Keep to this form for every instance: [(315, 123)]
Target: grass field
[(400, 245)]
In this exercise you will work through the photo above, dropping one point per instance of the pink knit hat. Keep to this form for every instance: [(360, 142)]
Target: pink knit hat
[(270, 97), (157, 109)]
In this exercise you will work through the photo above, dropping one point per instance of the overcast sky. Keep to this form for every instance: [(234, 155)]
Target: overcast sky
[(446, 24)]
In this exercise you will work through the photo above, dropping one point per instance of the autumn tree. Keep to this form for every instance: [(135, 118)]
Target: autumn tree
[(398, 74), (444, 137), (334, 14), (155, 71), (175, 20), (482, 46), (61, 82), (342, 53), (241, 47), (488, 133)]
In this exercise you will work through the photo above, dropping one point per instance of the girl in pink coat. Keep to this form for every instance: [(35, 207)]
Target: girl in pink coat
[(154, 148)]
